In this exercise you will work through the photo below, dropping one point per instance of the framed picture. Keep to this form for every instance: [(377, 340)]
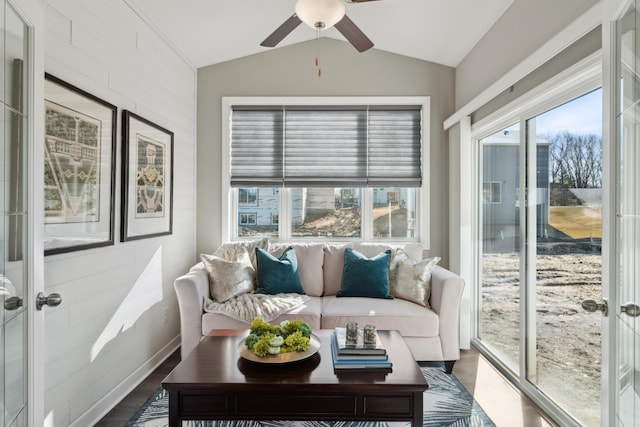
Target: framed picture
[(147, 178), (79, 169)]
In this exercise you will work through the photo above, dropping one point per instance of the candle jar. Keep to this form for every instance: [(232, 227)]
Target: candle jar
[(369, 334), (352, 332)]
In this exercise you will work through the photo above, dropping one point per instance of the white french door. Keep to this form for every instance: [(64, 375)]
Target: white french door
[(622, 38), (21, 256)]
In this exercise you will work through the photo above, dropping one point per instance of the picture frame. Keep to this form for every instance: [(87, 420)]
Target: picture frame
[(79, 168), (147, 179)]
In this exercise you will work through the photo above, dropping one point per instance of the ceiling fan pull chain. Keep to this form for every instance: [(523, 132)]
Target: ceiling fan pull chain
[(318, 53)]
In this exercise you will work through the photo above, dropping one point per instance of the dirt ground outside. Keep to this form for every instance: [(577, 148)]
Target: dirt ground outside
[(568, 345)]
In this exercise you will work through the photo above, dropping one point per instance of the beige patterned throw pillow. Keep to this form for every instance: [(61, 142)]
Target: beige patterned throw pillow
[(411, 279), (231, 250), (229, 278)]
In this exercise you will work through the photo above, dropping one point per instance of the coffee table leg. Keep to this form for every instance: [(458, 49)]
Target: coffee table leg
[(174, 420), (417, 409)]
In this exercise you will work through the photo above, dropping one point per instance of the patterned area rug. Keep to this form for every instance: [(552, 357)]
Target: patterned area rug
[(446, 403)]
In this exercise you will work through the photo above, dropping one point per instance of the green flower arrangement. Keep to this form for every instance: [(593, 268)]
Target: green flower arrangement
[(265, 339)]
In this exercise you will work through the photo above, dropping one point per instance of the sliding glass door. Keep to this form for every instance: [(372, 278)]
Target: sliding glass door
[(540, 228)]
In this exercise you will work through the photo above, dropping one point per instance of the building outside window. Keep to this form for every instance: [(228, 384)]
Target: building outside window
[(491, 192), (248, 196)]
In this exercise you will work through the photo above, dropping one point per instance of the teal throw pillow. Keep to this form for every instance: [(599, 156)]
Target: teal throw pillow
[(365, 277), (278, 276)]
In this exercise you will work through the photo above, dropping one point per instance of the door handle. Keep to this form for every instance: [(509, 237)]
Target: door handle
[(631, 309), (593, 305), (12, 303), (51, 300)]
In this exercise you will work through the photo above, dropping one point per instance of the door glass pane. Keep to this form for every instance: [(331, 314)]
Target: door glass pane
[(566, 236), (628, 223), (499, 323), (13, 277)]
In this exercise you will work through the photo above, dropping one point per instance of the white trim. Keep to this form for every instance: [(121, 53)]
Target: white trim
[(423, 196), (610, 374), (578, 28), (126, 386), (226, 198), (580, 78), (464, 232)]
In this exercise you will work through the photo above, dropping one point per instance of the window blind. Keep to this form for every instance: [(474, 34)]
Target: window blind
[(354, 146)]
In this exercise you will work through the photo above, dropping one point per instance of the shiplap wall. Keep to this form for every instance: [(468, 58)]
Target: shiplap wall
[(119, 316)]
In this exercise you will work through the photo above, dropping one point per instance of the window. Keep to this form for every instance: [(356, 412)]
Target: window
[(491, 192), (344, 168), (248, 219), (248, 196)]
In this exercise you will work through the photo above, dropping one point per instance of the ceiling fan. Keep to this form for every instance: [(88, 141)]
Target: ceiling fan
[(321, 15)]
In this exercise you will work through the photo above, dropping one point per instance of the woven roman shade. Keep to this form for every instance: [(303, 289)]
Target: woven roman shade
[(342, 146)]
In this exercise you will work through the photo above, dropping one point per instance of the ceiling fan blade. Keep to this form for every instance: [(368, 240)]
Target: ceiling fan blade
[(358, 1), (353, 34), (282, 31)]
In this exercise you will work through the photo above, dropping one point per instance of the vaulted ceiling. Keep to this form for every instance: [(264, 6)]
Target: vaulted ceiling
[(207, 32)]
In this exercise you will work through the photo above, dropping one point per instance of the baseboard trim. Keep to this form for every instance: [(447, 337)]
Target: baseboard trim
[(111, 399)]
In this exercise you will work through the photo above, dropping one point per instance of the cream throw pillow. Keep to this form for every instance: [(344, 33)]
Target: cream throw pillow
[(411, 279), (229, 278), (232, 250)]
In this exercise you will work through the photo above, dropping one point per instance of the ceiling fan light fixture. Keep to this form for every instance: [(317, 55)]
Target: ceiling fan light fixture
[(320, 14)]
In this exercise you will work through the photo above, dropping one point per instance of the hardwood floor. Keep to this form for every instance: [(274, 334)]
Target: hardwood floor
[(499, 398)]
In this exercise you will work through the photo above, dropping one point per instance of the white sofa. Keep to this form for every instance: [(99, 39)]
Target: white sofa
[(432, 334)]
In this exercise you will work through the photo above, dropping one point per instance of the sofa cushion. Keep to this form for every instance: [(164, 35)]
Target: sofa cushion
[(410, 279), (365, 277), (278, 275), (333, 266), (229, 278), (408, 318), (310, 264)]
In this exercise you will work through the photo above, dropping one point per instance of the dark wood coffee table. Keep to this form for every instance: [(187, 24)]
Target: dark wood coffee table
[(214, 383)]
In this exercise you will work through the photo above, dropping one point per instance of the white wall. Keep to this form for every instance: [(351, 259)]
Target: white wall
[(524, 27), (119, 315)]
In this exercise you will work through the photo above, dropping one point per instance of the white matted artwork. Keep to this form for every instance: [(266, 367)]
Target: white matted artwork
[(147, 178), (79, 169)]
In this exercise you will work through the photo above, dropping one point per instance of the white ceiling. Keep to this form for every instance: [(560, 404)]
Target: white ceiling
[(211, 31)]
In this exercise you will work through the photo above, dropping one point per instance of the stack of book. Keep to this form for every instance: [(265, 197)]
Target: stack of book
[(358, 356)]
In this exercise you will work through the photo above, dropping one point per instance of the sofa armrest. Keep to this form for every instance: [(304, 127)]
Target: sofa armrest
[(191, 290), (446, 294)]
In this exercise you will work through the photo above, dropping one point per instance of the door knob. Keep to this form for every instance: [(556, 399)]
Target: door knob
[(592, 305), (631, 309), (51, 300), (12, 303)]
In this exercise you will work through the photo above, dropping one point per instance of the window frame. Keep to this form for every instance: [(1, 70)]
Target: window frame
[(229, 200)]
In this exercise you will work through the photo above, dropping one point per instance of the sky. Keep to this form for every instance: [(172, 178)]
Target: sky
[(582, 115)]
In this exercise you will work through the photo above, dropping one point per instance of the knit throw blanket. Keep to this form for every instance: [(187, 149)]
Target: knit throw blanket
[(247, 307)]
